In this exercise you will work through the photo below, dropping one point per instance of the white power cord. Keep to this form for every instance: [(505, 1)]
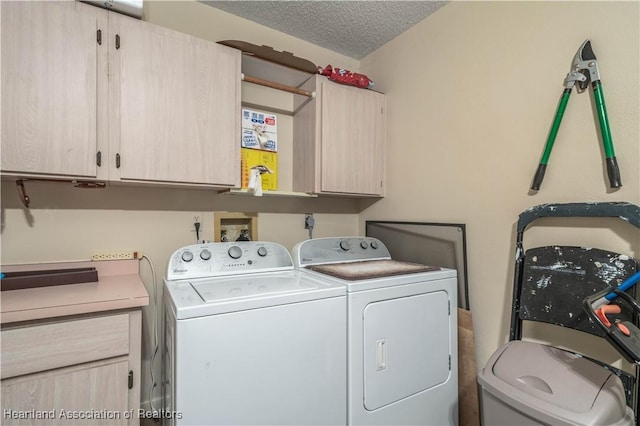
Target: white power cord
[(154, 331)]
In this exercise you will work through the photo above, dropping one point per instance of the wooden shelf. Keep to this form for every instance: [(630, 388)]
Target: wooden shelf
[(291, 194)]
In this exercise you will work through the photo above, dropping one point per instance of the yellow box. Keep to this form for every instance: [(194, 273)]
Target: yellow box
[(252, 157)]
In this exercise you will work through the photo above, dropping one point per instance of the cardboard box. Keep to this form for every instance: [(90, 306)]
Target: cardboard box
[(251, 118), (259, 130), (253, 157), (255, 139)]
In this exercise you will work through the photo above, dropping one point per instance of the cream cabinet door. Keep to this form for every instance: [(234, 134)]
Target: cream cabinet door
[(353, 140), (174, 106), (54, 86), (87, 394)]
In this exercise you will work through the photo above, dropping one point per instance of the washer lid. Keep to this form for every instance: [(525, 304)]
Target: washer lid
[(196, 298)]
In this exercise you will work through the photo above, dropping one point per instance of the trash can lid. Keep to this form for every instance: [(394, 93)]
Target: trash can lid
[(554, 383)]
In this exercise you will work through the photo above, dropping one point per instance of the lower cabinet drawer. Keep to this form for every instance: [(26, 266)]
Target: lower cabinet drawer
[(35, 348), (90, 394)]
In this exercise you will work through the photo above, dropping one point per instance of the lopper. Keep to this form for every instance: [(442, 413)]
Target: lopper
[(584, 70)]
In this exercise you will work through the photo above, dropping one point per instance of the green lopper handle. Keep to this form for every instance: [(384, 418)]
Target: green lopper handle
[(542, 167), (612, 164)]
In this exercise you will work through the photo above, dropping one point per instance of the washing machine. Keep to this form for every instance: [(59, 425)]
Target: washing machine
[(249, 340), (401, 331)]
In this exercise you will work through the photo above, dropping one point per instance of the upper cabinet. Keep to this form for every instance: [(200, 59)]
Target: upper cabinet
[(54, 88), (88, 93), (174, 106), (339, 140), (92, 94)]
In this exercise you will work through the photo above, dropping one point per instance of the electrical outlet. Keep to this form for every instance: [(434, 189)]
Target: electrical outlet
[(116, 255), (309, 221), (195, 218), (196, 227)]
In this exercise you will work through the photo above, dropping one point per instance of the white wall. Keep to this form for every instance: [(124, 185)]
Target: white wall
[(471, 94)]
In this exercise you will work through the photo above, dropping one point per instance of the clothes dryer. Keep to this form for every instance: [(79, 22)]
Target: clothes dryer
[(251, 340), (401, 331)]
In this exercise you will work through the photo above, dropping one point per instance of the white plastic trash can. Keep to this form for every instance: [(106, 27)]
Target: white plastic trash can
[(528, 384)]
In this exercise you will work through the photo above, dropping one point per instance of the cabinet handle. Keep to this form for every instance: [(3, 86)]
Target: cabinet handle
[(117, 41), (130, 379), (117, 161), (99, 37), (99, 158)]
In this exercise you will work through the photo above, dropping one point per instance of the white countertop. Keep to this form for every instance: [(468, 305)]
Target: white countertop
[(119, 286)]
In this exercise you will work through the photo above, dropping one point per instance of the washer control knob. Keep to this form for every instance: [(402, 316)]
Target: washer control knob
[(205, 254), (344, 245), (235, 252), (364, 244), (262, 252), (374, 244), (187, 256)]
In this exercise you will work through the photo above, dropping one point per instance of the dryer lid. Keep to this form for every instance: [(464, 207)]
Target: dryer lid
[(369, 269)]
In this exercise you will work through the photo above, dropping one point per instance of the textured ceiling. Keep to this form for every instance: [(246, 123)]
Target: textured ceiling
[(352, 28)]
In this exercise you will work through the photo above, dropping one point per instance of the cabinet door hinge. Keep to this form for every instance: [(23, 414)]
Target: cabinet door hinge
[(130, 381), (117, 161), (99, 158), (117, 41), (99, 37)]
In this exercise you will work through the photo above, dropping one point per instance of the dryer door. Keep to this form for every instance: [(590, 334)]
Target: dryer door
[(406, 347)]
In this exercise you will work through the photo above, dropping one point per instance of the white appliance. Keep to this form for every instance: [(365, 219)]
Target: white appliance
[(402, 331), (251, 340)]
